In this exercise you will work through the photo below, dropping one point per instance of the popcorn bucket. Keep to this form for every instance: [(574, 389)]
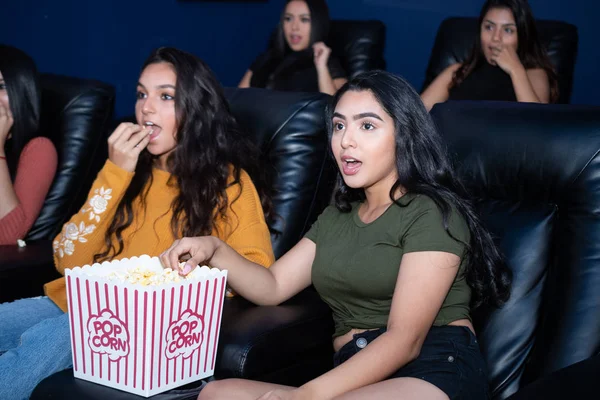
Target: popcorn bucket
[(143, 339)]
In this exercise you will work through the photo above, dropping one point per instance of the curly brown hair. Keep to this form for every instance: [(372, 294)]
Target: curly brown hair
[(209, 147)]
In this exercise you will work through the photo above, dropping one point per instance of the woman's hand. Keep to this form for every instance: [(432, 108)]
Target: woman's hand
[(6, 122), (506, 58), (198, 249), (321, 54), (126, 143)]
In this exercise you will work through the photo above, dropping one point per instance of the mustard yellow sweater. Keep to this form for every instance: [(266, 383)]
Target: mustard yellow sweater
[(243, 228)]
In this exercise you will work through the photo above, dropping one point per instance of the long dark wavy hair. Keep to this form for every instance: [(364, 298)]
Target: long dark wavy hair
[(530, 50), (279, 49), (424, 167), (23, 89), (209, 145)]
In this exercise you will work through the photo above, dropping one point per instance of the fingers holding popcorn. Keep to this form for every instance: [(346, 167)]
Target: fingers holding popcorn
[(126, 143), (194, 250)]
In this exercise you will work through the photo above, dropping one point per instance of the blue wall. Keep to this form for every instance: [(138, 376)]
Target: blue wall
[(109, 39)]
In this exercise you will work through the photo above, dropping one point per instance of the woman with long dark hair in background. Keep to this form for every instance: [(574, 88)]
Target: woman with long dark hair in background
[(507, 61), (298, 58), (27, 160), (402, 259)]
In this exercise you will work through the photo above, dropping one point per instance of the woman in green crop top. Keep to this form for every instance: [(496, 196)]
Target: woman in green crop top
[(401, 259)]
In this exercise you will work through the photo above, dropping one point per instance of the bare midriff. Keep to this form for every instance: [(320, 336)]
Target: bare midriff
[(340, 341)]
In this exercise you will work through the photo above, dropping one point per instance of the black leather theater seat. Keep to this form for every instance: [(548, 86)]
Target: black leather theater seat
[(358, 44), (535, 172)]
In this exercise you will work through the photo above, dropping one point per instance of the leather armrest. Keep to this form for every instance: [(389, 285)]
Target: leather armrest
[(287, 344), (25, 270)]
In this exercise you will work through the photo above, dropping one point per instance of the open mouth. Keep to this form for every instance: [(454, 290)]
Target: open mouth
[(350, 165), (295, 39), (154, 130)]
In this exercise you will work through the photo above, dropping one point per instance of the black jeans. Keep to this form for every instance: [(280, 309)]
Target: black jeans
[(449, 359)]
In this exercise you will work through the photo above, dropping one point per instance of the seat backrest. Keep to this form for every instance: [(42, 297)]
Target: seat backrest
[(533, 170), (289, 129), (358, 44), (456, 36), (75, 115)]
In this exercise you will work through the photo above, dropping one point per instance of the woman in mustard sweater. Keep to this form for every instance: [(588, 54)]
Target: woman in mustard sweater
[(180, 171)]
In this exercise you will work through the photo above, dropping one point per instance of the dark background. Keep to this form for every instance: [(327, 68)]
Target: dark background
[(109, 39)]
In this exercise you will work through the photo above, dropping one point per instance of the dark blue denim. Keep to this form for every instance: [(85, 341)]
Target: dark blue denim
[(449, 359)]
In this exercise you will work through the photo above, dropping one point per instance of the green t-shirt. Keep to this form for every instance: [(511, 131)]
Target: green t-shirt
[(356, 264)]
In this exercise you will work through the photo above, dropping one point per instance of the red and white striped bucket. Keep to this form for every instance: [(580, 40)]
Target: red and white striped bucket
[(143, 339)]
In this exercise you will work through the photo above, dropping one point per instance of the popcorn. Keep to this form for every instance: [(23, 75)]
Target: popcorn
[(146, 277), (142, 328), (152, 275)]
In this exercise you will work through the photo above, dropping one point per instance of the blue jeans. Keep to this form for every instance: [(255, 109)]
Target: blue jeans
[(34, 344)]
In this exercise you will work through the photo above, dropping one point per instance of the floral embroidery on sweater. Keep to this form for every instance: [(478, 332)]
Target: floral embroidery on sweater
[(98, 203), (73, 233)]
